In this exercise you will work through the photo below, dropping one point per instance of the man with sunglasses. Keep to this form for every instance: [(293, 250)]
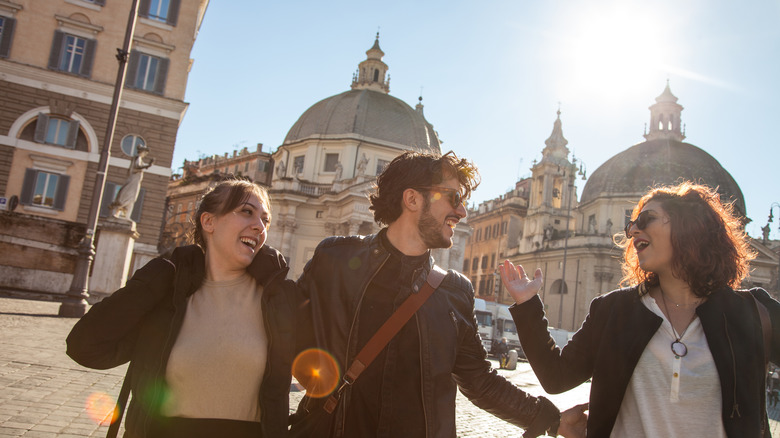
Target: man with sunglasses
[(354, 284)]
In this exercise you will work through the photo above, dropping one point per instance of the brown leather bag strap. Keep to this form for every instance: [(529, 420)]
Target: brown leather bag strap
[(385, 333)]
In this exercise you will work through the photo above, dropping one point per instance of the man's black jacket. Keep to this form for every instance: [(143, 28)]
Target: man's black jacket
[(452, 356)]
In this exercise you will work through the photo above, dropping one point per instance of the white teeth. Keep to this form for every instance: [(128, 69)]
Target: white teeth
[(249, 242), (641, 245)]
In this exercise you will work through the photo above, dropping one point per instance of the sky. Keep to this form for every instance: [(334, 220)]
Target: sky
[(493, 74)]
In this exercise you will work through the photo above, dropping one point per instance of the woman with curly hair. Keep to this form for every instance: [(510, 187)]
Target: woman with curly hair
[(678, 352)]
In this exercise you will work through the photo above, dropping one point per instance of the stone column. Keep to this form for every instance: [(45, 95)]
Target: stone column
[(112, 258)]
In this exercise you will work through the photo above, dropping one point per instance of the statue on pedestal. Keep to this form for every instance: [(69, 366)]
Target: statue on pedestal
[(122, 207)]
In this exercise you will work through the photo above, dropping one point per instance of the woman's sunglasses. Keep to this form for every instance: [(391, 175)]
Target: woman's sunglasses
[(454, 196), (641, 221)]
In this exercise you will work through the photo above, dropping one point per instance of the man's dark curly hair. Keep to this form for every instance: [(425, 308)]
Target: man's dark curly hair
[(413, 169)]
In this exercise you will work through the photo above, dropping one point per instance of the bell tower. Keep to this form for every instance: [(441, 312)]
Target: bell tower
[(665, 117), (371, 72), (553, 193)]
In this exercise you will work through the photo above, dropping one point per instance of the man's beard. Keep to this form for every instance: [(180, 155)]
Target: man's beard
[(430, 229)]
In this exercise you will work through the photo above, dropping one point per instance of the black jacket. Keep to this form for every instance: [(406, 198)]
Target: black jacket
[(615, 333), (452, 356), (140, 323)]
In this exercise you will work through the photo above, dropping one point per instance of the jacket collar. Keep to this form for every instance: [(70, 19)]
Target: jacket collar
[(378, 249), (266, 266)]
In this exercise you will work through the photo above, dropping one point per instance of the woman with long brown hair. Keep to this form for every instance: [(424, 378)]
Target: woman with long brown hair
[(209, 333), (678, 352)]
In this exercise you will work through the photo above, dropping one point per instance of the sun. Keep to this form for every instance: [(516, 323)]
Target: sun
[(614, 52)]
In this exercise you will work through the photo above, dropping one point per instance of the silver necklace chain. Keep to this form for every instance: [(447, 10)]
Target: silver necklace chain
[(678, 347)]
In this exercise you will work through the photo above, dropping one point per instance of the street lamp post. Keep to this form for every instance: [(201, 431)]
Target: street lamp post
[(75, 302), (572, 173), (766, 229)]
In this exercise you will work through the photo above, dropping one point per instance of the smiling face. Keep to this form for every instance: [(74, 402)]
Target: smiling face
[(439, 218), (234, 238), (653, 244)]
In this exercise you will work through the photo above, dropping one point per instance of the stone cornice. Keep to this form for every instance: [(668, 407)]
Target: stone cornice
[(90, 90), (94, 29)]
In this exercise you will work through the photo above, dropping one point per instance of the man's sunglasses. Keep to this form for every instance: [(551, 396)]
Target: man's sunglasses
[(455, 197), (641, 221)]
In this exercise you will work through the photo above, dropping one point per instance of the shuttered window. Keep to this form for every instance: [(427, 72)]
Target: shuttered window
[(147, 72), (56, 130), (166, 11), (6, 33), (72, 54), (44, 189)]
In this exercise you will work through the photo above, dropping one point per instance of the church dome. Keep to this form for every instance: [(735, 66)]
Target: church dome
[(663, 159), (370, 114), (660, 162)]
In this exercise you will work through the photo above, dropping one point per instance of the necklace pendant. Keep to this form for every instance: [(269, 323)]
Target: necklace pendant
[(679, 349)]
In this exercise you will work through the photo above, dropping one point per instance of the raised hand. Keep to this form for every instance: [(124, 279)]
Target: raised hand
[(517, 282)]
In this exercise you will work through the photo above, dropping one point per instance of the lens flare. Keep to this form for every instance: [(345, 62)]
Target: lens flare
[(436, 196), (354, 263), (317, 371), (101, 408)]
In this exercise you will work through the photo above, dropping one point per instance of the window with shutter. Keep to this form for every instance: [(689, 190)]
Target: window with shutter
[(6, 33), (147, 72), (72, 54), (44, 189), (56, 130), (166, 11)]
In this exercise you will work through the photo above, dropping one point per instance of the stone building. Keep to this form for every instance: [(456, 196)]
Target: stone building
[(497, 225), (329, 160), (57, 74), (326, 166), (573, 241)]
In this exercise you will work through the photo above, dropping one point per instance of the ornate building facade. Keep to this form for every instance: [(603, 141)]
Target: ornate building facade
[(572, 242), (331, 156), (57, 74), (327, 164)]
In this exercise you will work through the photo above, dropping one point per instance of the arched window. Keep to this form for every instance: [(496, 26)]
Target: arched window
[(56, 130), (376, 75), (130, 144), (556, 287)]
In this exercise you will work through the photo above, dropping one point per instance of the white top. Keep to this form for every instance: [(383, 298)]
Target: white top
[(670, 396), (217, 363)]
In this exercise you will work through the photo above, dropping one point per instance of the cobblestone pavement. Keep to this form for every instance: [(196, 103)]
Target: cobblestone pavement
[(43, 393)]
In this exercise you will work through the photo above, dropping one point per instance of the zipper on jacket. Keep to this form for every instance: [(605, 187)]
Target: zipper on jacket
[(735, 406), (340, 427)]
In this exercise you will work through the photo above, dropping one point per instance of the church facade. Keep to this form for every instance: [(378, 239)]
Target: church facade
[(331, 156), (572, 241)]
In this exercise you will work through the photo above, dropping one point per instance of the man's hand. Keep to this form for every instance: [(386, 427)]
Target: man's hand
[(574, 422), (517, 282)]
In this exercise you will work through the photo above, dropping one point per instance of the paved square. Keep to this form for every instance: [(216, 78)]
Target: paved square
[(43, 393)]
